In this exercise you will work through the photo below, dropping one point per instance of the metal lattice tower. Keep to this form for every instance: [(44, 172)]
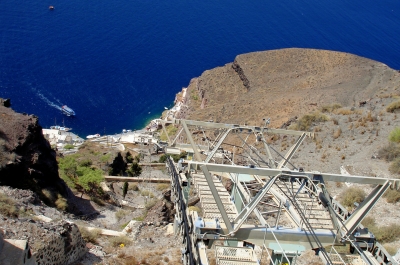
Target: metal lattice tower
[(272, 207)]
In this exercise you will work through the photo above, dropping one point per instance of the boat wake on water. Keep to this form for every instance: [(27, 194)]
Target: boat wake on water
[(63, 108), (49, 102)]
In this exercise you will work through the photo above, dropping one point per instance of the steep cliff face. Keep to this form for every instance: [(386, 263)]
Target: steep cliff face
[(281, 84), (26, 158)]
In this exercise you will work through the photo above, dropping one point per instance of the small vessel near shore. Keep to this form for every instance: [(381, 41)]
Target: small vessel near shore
[(60, 128), (67, 111), (93, 136)]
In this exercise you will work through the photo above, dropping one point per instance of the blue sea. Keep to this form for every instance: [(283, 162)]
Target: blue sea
[(119, 63)]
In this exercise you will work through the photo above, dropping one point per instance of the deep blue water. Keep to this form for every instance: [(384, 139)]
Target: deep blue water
[(118, 63)]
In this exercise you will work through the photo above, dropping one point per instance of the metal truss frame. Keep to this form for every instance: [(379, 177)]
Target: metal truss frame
[(283, 186)]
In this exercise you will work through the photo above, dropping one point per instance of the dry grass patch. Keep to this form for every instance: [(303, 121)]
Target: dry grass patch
[(395, 166), (162, 186), (392, 196), (89, 236), (331, 107), (119, 240), (305, 122), (352, 195), (343, 111), (393, 106), (147, 193), (150, 204), (337, 133), (8, 206), (392, 250), (133, 186), (61, 203), (120, 214), (384, 234), (394, 135)]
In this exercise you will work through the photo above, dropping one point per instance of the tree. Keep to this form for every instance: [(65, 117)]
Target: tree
[(89, 179), (135, 170), (118, 165), (128, 157), (125, 189), (69, 165)]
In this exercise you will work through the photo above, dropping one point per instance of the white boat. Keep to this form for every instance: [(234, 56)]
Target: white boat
[(92, 136), (60, 128), (67, 111)]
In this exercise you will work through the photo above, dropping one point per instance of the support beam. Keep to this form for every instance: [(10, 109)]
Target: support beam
[(190, 138), (242, 216), (271, 162), (217, 199), (246, 197), (256, 129), (212, 153), (165, 131), (291, 151), (363, 209), (269, 172)]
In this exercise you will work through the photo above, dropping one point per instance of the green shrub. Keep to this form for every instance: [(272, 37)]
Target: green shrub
[(331, 107), (120, 214), (352, 195), (171, 130), (117, 241), (69, 146), (89, 179), (139, 218), (393, 106), (8, 206), (89, 236), (70, 181), (124, 225), (394, 135), (68, 165), (97, 200), (85, 163), (133, 186), (135, 170), (305, 122), (392, 196), (177, 157), (128, 157), (163, 158)]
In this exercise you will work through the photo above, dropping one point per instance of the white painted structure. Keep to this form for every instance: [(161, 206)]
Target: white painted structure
[(60, 137)]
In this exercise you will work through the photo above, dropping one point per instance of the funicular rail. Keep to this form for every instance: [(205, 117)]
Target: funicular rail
[(188, 252)]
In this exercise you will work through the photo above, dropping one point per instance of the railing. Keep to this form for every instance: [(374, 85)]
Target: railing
[(180, 205)]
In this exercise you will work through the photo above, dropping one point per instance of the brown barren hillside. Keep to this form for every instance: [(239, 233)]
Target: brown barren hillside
[(281, 84)]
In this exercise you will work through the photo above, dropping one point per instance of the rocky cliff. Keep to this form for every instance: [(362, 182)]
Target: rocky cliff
[(281, 84), (26, 158)]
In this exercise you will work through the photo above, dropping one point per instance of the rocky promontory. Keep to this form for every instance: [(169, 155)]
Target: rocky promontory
[(285, 83), (26, 158)]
